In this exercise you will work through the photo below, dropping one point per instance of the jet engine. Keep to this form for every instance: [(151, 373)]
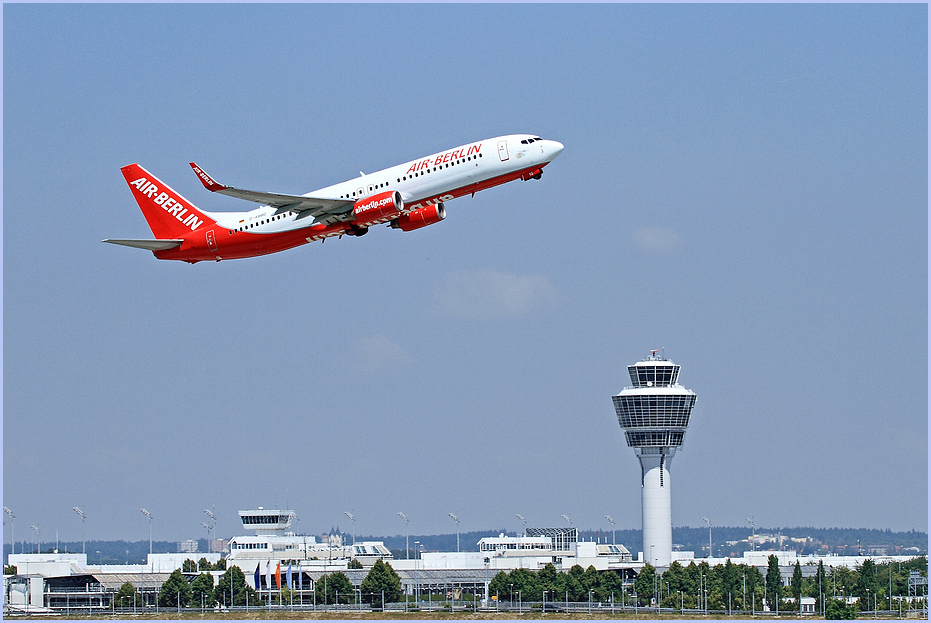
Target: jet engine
[(420, 218), (377, 208)]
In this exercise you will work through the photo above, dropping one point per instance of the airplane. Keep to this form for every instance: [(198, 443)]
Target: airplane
[(406, 197)]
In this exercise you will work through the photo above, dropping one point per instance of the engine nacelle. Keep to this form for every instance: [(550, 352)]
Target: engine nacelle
[(420, 218), (378, 208)]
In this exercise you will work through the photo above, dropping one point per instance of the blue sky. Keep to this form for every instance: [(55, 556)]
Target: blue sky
[(742, 185)]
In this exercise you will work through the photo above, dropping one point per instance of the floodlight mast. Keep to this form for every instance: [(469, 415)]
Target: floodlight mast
[(353, 520), (407, 538), (12, 540), (613, 530), (213, 526), (149, 515), (456, 519), (654, 413), (83, 517)]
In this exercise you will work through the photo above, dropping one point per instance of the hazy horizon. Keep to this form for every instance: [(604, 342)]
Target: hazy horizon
[(744, 186)]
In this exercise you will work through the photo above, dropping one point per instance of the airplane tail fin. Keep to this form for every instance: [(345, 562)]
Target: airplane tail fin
[(168, 214)]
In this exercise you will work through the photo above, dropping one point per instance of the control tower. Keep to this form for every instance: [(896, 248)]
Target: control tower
[(654, 414)]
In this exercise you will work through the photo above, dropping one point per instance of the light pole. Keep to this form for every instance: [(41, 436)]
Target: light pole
[(12, 540), (83, 517), (705, 519), (353, 520), (523, 521), (456, 519), (208, 527), (613, 530), (407, 538), (753, 533), (213, 526), (653, 562), (149, 515), (36, 528)]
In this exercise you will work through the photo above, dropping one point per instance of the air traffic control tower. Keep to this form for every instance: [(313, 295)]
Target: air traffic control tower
[(654, 414)]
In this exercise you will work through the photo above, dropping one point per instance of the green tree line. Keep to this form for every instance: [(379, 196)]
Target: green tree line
[(185, 591), (722, 587)]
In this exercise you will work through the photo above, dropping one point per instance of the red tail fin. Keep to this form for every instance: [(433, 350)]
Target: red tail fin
[(168, 214)]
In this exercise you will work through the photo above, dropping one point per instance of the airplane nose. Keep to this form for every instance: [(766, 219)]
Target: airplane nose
[(556, 148)]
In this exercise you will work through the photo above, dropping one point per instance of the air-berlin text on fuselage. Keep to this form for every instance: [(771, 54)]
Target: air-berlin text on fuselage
[(455, 154), (170, 205)]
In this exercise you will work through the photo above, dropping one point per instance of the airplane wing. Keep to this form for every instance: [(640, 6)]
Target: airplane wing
[(319, 207), (151, 245)]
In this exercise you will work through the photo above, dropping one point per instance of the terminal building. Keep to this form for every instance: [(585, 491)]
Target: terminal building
[(654, 413), (55, 583)]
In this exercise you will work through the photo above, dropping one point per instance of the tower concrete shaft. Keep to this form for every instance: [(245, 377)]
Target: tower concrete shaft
[(654, 413)]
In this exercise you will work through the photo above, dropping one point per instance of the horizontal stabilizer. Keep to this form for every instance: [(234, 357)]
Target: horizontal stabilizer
[(151, 245)]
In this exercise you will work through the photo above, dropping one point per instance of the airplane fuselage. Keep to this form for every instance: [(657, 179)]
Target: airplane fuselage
[(423, 186)]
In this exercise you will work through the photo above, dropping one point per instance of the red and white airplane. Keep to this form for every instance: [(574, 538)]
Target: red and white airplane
[(407, 197)]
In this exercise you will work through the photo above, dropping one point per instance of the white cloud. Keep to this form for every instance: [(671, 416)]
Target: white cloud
[(377, 353), (657, 239), (493, 294)]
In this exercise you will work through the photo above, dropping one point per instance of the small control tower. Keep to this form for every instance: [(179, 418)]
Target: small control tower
[(654, 414)]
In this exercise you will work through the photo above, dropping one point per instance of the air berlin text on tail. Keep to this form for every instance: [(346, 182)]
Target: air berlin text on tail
[(408, 197), (167, 203)]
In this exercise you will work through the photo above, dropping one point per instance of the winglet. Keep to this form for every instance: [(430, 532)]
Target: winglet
[(206, 180)]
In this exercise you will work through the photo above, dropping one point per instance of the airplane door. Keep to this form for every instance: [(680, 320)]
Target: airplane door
[(211, 241), (503, 150)]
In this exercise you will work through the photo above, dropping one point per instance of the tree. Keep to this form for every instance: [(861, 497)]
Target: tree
[(9, 569), (575, 587), (526, 585), (127, 597), (189, 566), (678, 580), (175, 590), (836, 609), (755, 587), (820, 585), (381, 577), (202, 590), (354, 564), (240, 590), (797, 585), (866, 584), (331, 585), (592, 582), (550, 580), (773, 581), (611, 584), (204, 565), (731, 584), (499, 584), (643, 584)]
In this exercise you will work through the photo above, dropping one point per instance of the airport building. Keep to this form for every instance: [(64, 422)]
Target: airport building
[(654, 413), (67, 583)]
